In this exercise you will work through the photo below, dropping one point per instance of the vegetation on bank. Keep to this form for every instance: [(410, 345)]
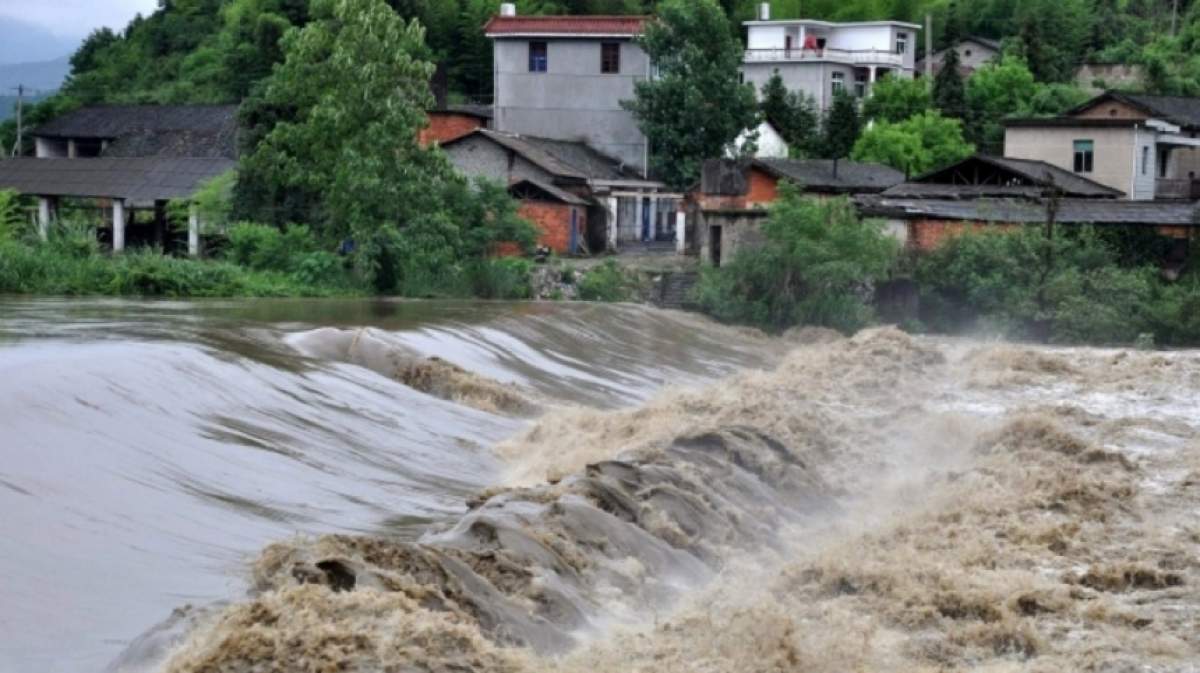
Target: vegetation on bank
[(821, 265)]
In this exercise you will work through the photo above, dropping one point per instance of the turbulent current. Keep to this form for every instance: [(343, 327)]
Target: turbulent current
[(423, 487)]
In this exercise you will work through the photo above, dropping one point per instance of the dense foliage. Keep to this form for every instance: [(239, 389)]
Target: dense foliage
[(1073, 286), (794, 114), (696, 107), (817, 268), (916, 145), (342, 153)]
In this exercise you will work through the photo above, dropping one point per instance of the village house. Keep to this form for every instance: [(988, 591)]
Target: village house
[(729, 206), (599, 202), (1145, 146), (973, 53), (984, 191), (820, 58), (126, 161), (564, 78)]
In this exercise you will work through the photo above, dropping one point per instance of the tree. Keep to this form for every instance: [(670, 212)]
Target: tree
[(793, 114), (1053, 36), (916, 145), (817, 257), (841, 127), (894, 99), (346, 136), (949, 92), (696, 107)]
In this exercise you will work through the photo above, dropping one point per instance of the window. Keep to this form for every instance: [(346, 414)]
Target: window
[(860, 83), (538, 59), (1085, 152), (901, 43), (839, 82), (610, 58), (1145, 159)]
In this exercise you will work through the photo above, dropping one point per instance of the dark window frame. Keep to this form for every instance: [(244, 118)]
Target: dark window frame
[(610, 58), (539, 56), (1085, 156)]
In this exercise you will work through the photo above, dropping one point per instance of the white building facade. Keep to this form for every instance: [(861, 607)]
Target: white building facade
[(819, 58)]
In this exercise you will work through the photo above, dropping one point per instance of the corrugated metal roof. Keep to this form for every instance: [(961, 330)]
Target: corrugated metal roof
[(141, 180), (1022, 211), (566, 25)]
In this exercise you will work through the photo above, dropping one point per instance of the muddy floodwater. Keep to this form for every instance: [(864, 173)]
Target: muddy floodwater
[(377, 486)]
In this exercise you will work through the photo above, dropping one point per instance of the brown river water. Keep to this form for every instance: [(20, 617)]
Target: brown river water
[(377, 486)]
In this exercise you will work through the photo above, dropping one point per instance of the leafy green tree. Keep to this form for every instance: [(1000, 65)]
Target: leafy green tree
[(346, 137), (817, 258), (841, 128), (1053, 36), (916, 145), (894, 99), (1007, 88), (792, 113), (696, 107), (949, 91)]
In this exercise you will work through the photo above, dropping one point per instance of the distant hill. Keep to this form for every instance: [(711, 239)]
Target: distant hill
[(39, 76), (24, 42), (8, 104)]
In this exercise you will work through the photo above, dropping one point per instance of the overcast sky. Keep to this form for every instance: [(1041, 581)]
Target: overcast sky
[(75, 18)]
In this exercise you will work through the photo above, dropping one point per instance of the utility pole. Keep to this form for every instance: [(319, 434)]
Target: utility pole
[(16, 151), (929, 49), (1174, 16)]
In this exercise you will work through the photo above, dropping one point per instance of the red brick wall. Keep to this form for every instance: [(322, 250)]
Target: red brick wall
[(553, 221), (764, 188), (926, 235), (446, 126)]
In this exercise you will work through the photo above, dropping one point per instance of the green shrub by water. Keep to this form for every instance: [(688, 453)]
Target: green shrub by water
[(57, 269), (816, 268), (606, 282)]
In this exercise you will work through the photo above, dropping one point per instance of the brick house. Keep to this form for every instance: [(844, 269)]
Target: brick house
[(560, 216), (983, 191)]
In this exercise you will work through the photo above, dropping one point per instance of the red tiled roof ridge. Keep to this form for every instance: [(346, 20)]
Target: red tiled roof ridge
[(583, 24)]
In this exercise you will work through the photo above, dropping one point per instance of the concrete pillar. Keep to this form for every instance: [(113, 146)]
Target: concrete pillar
[(641, 209), (193, 231), (681, 232), (611, 205), (118, 238), (873, 70), (72, 149), (43, 218)]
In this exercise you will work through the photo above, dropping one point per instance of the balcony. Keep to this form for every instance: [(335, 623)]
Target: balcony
[(1185, 189), (844, 56)]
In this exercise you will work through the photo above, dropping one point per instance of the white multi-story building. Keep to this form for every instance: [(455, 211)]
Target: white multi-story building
[(819, 58)]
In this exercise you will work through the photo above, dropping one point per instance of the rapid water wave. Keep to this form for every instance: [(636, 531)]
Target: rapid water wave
[(150, 450), (878, 503)]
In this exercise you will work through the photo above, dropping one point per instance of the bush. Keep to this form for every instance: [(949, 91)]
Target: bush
[(11, 219), (504, 278), (263, 247), (606, 282), (1069, 288), (817, 267)]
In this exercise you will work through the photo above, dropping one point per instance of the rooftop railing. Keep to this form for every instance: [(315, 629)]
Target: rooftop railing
[(1185, 189), (847, 56)]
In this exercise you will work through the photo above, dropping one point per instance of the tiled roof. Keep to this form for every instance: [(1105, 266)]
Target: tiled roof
[(819, 174), (1179, 110), (152, 130), (566, 25), (550, 190), (1024, 172), (141, 180), (564, 159), (1023, 211)]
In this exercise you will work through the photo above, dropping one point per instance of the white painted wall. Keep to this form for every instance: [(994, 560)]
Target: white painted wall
[(771, 145), (861, 38), (767, 37)]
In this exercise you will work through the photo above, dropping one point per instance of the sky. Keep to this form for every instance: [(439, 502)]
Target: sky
[(75, 18), (42, 30)]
